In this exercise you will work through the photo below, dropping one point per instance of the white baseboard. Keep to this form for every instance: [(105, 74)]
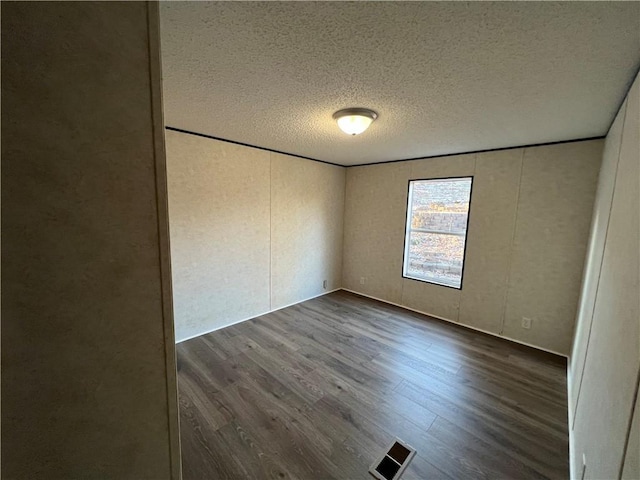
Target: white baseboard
[(383, 301), (254, 316), (455, 323)]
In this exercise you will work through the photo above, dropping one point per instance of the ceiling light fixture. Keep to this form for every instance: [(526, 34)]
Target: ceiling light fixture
[(354, 121)]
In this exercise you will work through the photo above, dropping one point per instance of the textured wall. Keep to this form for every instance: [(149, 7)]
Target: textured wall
[(555, 203), (595, 252), (88, 375), (307, 208), (243, 221), (219, 212), (497, 182), (528, 229), (374, 197), (605, 365)]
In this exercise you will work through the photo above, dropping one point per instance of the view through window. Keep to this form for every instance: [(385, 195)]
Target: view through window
[(437, 215)]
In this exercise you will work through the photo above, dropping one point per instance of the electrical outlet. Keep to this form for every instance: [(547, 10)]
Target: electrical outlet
[(362, 280), (526, 323), (324, 284)]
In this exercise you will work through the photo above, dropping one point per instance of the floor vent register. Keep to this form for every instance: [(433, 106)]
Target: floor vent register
[(393, 462)]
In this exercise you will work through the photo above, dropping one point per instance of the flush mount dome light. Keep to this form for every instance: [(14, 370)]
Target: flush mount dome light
[(353, 121)]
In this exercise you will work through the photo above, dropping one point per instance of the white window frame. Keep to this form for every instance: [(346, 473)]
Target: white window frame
[(408, 230)]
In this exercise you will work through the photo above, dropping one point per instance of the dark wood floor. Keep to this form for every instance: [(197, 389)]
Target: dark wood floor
[(318, 390)]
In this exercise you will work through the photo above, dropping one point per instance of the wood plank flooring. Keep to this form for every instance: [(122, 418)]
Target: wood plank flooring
[(319, 389)]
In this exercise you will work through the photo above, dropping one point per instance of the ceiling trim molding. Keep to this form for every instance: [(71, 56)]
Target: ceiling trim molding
[(481, 151), (211, 137)]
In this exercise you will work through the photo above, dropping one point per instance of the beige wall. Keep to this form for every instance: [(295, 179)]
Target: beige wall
[(528, 229), (88, 373), (307, 206), (251, 231), (605, 361)]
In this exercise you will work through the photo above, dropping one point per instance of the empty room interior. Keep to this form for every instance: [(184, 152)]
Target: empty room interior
[(313, 240)]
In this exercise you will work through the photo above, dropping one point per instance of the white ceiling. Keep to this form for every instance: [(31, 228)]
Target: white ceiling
[(444, 77)]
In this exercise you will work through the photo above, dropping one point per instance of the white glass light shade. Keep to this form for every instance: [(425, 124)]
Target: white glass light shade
[(354, 121)]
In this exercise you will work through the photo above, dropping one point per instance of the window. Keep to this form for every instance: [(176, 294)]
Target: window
[(437, 219)]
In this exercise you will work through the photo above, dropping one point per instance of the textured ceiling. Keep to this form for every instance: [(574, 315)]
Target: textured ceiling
[(444, 77)]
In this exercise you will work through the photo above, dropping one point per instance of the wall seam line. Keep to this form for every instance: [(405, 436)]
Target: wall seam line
[(461, 297), (344, 230), (507, 280), (604, 247), (628, 436), (404, 236)]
